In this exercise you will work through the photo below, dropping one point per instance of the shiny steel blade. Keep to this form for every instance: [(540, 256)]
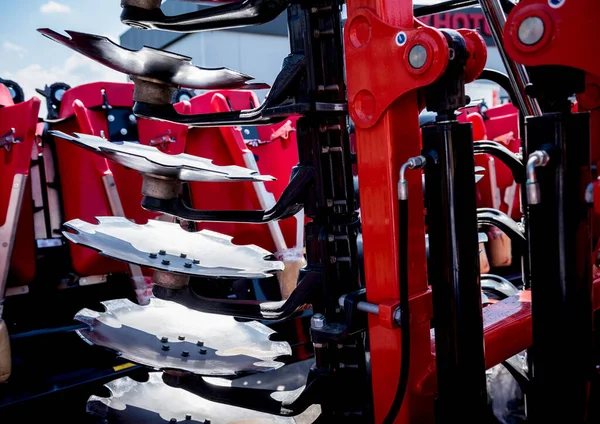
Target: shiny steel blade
[(150, 160), (166, 335), (153, 402), (148, 63), (167, 247)]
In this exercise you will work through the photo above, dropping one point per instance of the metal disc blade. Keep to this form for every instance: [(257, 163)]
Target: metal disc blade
[(153, 402), (167, 247), (169, 68), (150, 160), (165, 335)]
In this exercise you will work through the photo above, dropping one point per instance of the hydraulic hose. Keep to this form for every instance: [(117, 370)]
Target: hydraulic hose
[(412, 163)]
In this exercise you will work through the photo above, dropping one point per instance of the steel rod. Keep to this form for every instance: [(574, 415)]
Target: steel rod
[(496, 19)]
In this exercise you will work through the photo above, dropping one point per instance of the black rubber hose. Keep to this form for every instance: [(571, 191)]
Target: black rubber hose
[(404, 315), (501, 79)]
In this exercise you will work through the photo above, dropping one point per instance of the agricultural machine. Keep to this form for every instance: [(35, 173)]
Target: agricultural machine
[(368, 244)]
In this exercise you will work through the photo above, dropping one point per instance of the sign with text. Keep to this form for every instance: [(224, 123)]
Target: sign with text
[(470, 18)]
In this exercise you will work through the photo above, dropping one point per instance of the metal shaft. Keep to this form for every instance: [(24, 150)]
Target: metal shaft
[(494, 14)]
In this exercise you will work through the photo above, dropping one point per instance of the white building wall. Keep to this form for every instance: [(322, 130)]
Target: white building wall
[(258, 55)]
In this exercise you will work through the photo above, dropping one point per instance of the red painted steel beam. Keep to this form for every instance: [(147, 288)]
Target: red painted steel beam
[(382, 147)]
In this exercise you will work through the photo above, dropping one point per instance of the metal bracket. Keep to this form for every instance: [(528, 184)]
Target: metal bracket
[(8, 139), (232, 15), (289, 204), (286, 391), (308, 285)]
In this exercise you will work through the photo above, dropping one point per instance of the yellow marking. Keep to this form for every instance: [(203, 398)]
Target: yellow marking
[(123, 366)]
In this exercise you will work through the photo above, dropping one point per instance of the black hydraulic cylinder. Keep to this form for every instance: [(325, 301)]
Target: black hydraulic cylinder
[(560, 246), (453, 271)]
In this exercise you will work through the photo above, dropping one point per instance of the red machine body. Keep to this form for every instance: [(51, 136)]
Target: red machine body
[(383, 110)]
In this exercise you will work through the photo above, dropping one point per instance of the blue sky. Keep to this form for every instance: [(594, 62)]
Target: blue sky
[(33, 60)]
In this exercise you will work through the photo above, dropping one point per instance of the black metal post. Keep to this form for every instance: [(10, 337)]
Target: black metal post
[(560, 246), (316, 32), (453, 271)]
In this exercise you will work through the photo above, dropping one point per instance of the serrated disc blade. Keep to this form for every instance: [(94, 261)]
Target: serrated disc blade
[(167, 247), (153, 402), (227, 347), (153, 64), (150, 160)]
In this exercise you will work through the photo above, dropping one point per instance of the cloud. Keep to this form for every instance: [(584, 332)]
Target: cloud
[(76, 70), (54, 7), (14, 48)]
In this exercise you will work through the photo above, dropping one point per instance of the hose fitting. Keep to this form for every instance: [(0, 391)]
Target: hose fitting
[(536, 159), (417, 162)]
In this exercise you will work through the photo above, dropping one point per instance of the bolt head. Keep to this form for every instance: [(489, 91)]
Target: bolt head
[(185, 353), (166, 262), (196, 261), (531, 30), (123, 131), (110, 118), (203, 351), (188, 417), (187, 265), (317, 321), (181, 337), (132, 118), (183, 255), (165, 347), (153, 255), (164, 339), (417, 57), (199, 343)]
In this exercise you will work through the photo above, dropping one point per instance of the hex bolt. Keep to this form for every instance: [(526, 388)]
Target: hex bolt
[(185, 353), (164, 339), (132, 118), (207, 421), (183, 255), (173, 420), (196, 261), (110, 118), (166, 262), (153, 255), (181, 337), (317, 321), (187, 265), (123, 131), (417, 57), (188, 417), (199, 343), (162, 252), (203, 351), (531, 31), (165, 347)]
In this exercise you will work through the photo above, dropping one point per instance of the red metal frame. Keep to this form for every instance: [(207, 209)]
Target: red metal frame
[(385, 111)]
